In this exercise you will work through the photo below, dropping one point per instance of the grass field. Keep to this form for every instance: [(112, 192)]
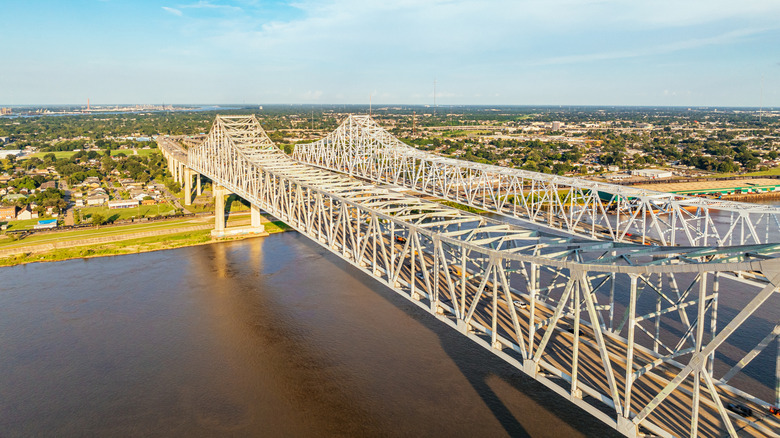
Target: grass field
[(22, 225), (68, 154), (129, 246), (8, 242), (127, 213)]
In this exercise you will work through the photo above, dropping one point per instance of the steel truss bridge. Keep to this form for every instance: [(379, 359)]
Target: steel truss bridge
[(652, 340), (362, 148)]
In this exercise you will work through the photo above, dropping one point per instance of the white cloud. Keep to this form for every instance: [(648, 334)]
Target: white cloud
[(726, 38), (203, 4), (173, 11), (346, 48)]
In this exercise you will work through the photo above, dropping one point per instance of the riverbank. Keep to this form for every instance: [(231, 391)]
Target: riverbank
[(87, 245)]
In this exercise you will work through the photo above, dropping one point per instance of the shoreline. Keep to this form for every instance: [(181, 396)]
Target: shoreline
[(132, 246)]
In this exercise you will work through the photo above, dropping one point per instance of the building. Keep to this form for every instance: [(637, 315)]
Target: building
[(46, 223), (556, 126), (5, 111), (92, 181), (652, 173), (6, 153), (27, 214), (123, 203), (48, 185), (97, 199), (8, 213)]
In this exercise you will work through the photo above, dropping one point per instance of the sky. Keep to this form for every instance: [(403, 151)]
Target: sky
[(484, 52)]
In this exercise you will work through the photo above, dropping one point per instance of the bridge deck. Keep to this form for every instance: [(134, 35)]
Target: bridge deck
[(560, 328)]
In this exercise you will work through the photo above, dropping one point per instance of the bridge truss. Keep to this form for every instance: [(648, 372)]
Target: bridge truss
[(362, 148), (630, 333)]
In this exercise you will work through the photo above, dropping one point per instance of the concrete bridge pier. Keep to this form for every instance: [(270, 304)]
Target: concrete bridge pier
[(188, 186), (256, 218), (220, 230), (198, 190), (219, 208)]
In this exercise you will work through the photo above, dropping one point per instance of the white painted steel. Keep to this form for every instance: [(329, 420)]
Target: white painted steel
[(558, 308), (362, 148)]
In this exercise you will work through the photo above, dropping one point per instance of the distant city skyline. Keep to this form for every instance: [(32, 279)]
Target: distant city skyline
[(555, 52)]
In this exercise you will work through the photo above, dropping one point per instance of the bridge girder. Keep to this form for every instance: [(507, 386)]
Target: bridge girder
[(583, 317), (360, 147)]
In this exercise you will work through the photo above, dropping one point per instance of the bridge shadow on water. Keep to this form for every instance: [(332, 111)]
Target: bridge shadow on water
[(520, 406), (485, 372)]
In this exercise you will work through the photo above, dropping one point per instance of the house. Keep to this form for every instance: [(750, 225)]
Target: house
[(27, 214), (123, 203), (48, 185), (97, 199), (92, 181), (79, 202), (13, 197), (8, 212)]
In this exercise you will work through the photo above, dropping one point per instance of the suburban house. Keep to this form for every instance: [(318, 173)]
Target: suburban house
[(97, 199), (27, 214), (48, 185)]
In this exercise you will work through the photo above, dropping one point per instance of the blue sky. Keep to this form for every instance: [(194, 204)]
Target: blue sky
[(521, 52)]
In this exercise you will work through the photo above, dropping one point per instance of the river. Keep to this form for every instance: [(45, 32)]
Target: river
[(263, 337)]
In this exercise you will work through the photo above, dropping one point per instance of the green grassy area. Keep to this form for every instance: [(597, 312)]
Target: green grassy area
[(130, 246), (769, 172), (86, 233), (276, 227), (460, 206), (127, 213), (462, 133), (147, 244), (68, 154), (23, 225)]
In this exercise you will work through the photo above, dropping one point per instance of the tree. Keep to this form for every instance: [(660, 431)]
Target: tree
[(98, 219)]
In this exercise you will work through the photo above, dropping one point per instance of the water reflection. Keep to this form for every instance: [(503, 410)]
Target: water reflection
[(264, 337)]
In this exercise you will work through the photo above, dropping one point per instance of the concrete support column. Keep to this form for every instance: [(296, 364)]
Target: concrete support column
[(198, 190), (256, 218), (187, 187), (219, 207)]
